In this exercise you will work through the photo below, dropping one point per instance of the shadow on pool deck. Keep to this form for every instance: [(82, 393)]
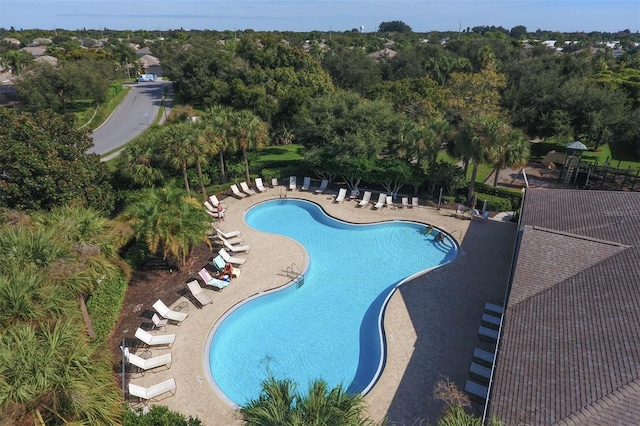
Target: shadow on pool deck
[(444, 308)]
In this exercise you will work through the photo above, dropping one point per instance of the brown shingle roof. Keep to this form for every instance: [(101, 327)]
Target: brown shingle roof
[(570, 344)]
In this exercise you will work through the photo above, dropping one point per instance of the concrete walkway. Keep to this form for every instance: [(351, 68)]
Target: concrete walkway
[(430, 323)]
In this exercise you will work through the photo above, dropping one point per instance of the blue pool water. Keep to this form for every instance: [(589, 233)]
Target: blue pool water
[(329, 327)]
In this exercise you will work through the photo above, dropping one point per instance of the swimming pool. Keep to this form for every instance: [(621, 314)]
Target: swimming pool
[(329, 325)]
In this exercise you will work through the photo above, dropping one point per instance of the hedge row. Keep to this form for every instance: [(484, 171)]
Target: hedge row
[(105, 304), (494, 203), (513, 195)]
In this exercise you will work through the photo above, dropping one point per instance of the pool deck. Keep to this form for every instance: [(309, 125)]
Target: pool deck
[(431, 322)]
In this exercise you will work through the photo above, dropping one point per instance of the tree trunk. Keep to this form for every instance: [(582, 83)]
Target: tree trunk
[(85, 316), (186, 177), (496, 175), (472, 183), (246, 165), (223, 174), (204, 190)]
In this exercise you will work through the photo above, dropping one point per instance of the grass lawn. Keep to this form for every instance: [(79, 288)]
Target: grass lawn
[(282, 157), (85, 112)]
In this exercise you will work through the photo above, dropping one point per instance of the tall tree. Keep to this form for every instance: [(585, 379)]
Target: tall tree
[(251, 133), (141, 161), (181, 148), (348, 133), (217, 122), (44, 163), (510, 150), (477, 138), (168, 221)]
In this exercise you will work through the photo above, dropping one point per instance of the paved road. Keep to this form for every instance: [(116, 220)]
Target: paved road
[(137, 111)]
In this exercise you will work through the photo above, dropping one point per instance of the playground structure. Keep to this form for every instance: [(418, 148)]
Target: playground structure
[(585, 175)]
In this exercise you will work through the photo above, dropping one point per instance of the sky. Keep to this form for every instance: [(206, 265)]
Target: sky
[(321, 15)]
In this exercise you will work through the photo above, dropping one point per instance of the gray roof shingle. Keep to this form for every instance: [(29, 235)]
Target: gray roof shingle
[(570, 345)]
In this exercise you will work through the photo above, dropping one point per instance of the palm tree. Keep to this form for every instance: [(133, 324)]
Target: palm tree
[(169, 221), (49, 374), (181, 148), (141, 163), (95, 242), (218, 119), (426, 140), (251, 133), (512, 150), (476, 139), (280, 404), (27, 295)]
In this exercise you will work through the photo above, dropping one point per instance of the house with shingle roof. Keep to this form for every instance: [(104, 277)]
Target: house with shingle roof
[(569, 345), (36, 51), (151, 65), (383, 53)]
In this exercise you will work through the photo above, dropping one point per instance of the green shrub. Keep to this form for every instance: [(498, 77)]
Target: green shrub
[(494, 203), (114, 89), (105, 304), (158, 415), (513, 195), (268, 174)]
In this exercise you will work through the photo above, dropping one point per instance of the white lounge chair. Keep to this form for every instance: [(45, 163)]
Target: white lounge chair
[(155, 340), (342, 193), (259, 185), (231, 259), (292, 183), (234, 249), (229, 234), (415, 202), (366, 197), (323, 186), (232, 239), (169, 314), (245, 188), (237, 192), (159, 322), (390, 202), (196, 291), (405, 201), (306, 183), (214, 200), (274, 182), (381, 200), (212, 281), (153, 391), (149, 363), (210, 207)]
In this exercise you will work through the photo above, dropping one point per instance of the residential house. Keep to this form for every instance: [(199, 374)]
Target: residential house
[(384, 53), (36, 51), (150, 65)]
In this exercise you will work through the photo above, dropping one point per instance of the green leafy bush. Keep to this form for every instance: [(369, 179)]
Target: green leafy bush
[(158, 415), (513, 195), (494, 203), (105, 304)]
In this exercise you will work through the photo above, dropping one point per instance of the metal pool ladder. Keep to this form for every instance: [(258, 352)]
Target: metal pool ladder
[(297, 277)]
